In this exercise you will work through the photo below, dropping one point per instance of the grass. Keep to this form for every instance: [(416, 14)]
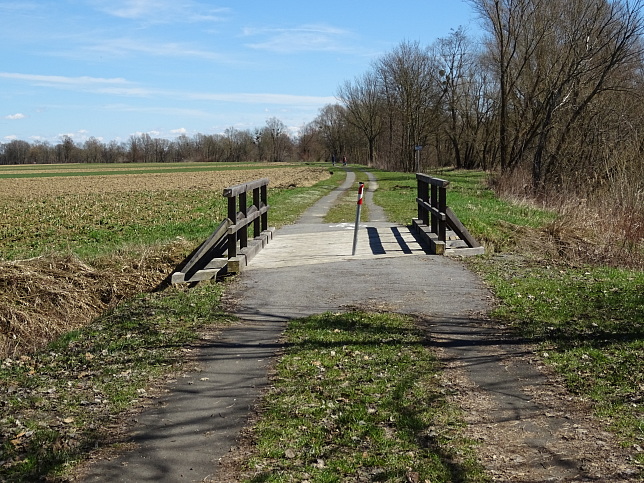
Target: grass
[(345, 208), (491, 221), (91, 225), (372, 409), (96, 224), (64, 401), (587, 322)]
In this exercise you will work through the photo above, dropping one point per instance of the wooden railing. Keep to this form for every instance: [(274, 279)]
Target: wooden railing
[(241, 215), (437, 223), (229, 248)]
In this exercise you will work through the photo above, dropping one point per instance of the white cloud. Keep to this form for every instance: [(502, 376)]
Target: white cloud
[(125, 46), (120, 87), (161, 11), (18, 115), (63, 81), (305, 38), (78, 137), (181, 130), (11, 137)]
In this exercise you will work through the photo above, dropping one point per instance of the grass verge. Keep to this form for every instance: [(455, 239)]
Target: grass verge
[(586, 319), (60, 403), (357, 396), (587, 323), (344, 210)]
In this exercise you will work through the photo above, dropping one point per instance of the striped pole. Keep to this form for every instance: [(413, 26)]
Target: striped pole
[(355, 231)]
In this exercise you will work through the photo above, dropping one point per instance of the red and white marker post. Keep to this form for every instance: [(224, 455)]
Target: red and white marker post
[(355, 231)]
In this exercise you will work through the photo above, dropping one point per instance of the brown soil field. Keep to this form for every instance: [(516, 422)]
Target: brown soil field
[(43, 187), (104, 168)]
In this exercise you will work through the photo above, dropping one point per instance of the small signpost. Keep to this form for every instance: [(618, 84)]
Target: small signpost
[(355, 231), (417, 150)]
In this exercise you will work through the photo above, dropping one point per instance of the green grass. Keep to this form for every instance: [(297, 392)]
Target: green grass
[(488, 218), (365, 376), (587, 322), (357, 397), (61, 402), (288, 204), (345, 208)]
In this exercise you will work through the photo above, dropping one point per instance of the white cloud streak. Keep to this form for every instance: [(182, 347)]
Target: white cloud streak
[(125, 46), (305, 38), (63, 81), (124, 88), (18, 115), (161, 11)]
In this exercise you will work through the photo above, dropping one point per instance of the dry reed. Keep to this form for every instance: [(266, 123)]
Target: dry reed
[(44, 297)]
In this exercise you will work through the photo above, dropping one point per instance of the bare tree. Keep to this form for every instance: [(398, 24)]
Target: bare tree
[(408, 76), (364, 103), (332, 125), (554, 60), (275, 131)]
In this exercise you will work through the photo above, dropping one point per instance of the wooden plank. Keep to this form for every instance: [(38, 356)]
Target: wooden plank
[(246, 220), (206, 246), (430, 209), (216, 263), (433, 181), (244, 187), (458, 227), (436, 246)]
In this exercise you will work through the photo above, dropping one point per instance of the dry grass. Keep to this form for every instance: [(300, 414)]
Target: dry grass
[(43, 297), (583, 235), (606, 228)]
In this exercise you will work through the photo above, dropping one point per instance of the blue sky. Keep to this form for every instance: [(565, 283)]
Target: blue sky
[(110, 69)]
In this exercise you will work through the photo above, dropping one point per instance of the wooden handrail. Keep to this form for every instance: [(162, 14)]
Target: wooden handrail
[(435, 217), (228, 246), (241, 215)]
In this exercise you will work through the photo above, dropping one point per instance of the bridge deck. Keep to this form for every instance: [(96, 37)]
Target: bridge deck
[(314, 244)]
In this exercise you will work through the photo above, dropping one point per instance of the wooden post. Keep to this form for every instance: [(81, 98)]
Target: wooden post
[(232, 216), (257, 229), (442, 207), (264, 200), (243, 208), (423, 194), (434, 203)]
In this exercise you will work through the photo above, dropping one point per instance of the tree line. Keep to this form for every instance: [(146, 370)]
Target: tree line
[(269, 143), (550, 98)]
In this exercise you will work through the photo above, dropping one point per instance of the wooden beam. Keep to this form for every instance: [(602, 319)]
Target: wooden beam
[(430, 209), (433, 181), (243, 188), (458, 227)]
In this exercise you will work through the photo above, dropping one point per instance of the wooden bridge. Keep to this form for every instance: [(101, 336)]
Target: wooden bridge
[(310, 241)]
